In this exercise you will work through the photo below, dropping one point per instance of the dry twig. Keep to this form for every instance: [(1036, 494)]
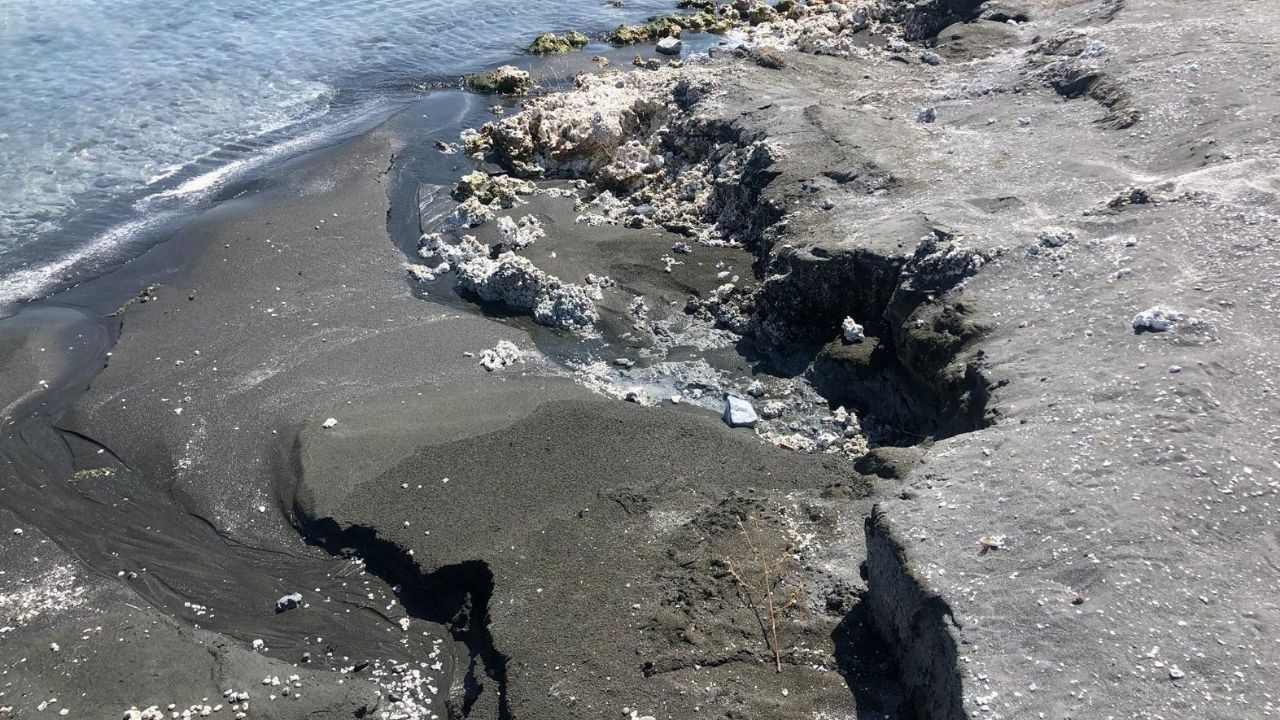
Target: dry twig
[(772, 581)]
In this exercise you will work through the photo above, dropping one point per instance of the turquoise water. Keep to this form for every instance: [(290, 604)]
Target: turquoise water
[(118, 114)]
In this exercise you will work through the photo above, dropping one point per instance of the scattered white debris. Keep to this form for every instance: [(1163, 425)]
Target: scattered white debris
[(852, 331), (1055, 236), (331, 422), (1156, 319), (53, 592)]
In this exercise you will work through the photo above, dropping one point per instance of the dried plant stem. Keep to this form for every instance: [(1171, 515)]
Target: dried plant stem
[(771, 576)]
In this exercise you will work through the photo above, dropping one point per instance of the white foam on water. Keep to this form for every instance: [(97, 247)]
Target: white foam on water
[(31, 283)]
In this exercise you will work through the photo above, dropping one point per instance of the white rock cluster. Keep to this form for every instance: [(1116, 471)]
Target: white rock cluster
[(520, 234), (640, 139), (517, 283), (512, 280), (503, 354)]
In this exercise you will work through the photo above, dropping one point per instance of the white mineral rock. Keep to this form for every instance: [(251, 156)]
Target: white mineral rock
[(852, 331), (1156, 319), (503, 354), (331, 422), (520, 234), (288, 602), (514, 281)]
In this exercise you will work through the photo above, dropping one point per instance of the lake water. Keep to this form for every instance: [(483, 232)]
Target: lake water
[(117, 115)]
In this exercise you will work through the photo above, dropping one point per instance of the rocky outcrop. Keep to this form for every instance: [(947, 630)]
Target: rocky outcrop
[(506, 80), (552, 44)]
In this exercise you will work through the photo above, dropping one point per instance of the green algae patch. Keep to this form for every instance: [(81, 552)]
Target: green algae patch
[(553, 44)]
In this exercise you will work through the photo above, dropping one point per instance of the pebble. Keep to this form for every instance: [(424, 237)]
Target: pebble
[(331, 422)]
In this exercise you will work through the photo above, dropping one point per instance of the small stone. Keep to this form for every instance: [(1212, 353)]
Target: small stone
[(1160, 318), (739, 412), (755, 389), (331, 422), (1176, 673), (669, 46), (928, 57), (624, 362), (927, 114), (288, 602)]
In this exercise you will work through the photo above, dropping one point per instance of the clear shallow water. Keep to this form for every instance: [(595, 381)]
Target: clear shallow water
[(116, 115)]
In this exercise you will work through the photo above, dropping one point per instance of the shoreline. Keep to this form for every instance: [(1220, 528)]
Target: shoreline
[(983, 535)]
